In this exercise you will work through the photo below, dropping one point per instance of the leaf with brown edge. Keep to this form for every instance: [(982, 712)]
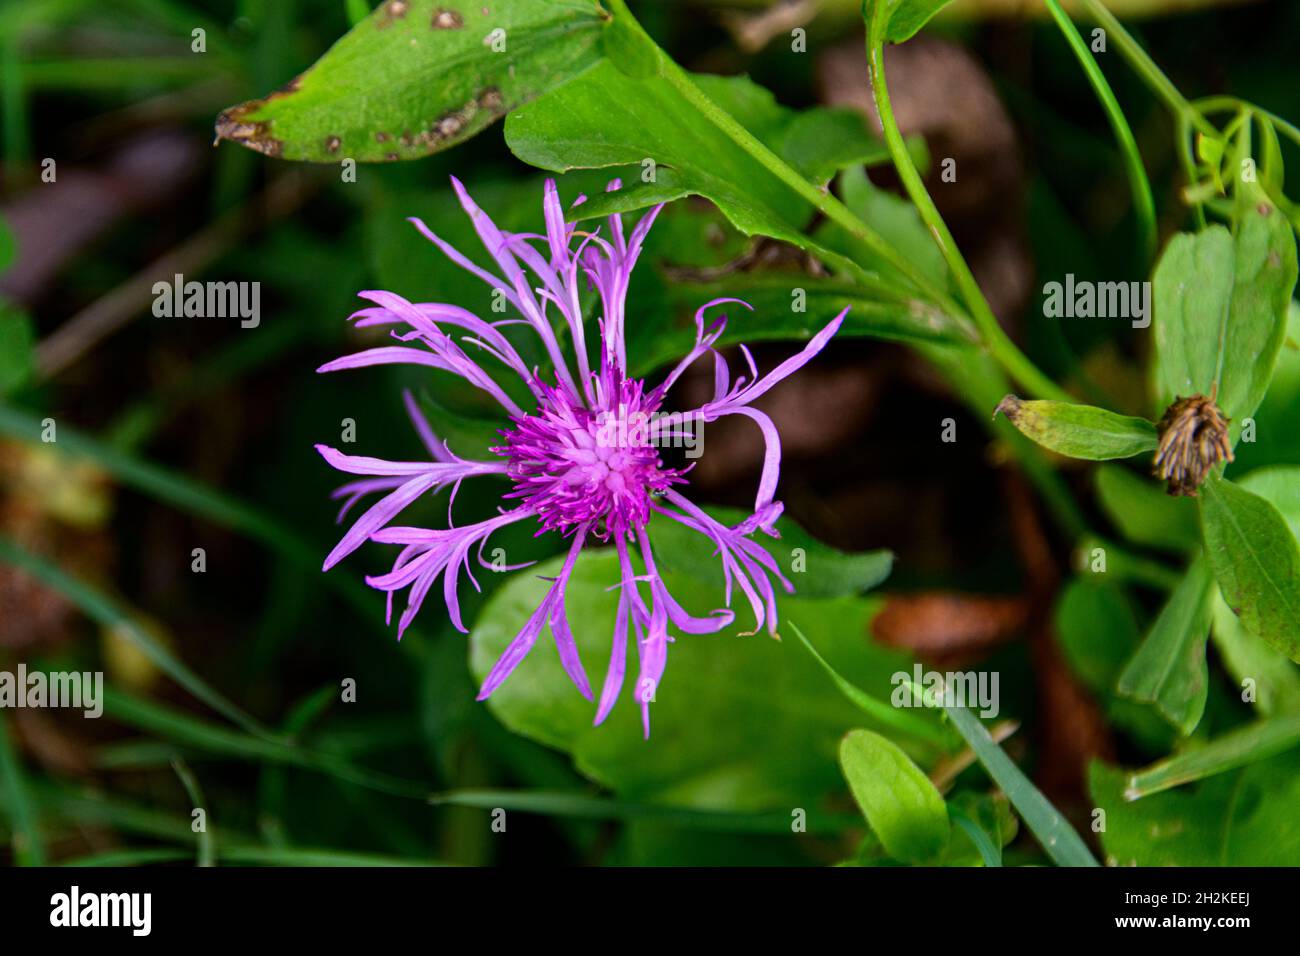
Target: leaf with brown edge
[(1079, 431), (419, 76)]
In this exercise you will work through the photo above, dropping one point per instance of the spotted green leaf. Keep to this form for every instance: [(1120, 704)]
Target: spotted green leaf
[(418, 76)]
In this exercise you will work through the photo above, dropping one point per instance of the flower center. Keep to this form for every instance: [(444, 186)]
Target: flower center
[(574, 465)]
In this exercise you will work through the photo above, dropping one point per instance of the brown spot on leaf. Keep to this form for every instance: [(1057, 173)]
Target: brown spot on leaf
[(392, 10), (490, 99), (392, 157), (233, 124), (381, 137), (447, 20), (332, 144), (1010, 407)]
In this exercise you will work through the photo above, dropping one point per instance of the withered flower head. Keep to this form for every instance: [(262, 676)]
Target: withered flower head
[(1193, 439)]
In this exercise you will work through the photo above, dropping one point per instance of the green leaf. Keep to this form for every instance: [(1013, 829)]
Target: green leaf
[(1169, 668), (1241, 818), (1144, 513), (1221, 305), (17, 348), (605, 118), (1279, 485), (630, 49), (418, 76), (819, 572), (885, 715), (894, 218), (1237, 748), (772, 728), (1275, 442), (899, 801), (1080, 431), (1256, 561), (1274, 678), (820, 142), (909, 16)]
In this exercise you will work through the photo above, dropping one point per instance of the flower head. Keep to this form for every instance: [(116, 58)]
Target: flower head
[(581, 455)]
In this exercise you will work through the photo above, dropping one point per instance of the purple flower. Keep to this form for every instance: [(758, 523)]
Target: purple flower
[(583, 456)]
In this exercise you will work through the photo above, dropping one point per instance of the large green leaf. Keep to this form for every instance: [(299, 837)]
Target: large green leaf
[(1275, 678), (1241, 818), (606, 118), (1256, 561), (899, 801), (1080, 431), (739, 722), (418, 76), (1169, 669), (1221, 305)]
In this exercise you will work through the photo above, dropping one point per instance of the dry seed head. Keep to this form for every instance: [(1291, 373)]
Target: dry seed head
[(1193, 439)]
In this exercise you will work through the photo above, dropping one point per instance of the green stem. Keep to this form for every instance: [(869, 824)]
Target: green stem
[(1143, 202), (1224, 104), (1146, 67), (822, 200), (999, 344), (1189, 164)]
